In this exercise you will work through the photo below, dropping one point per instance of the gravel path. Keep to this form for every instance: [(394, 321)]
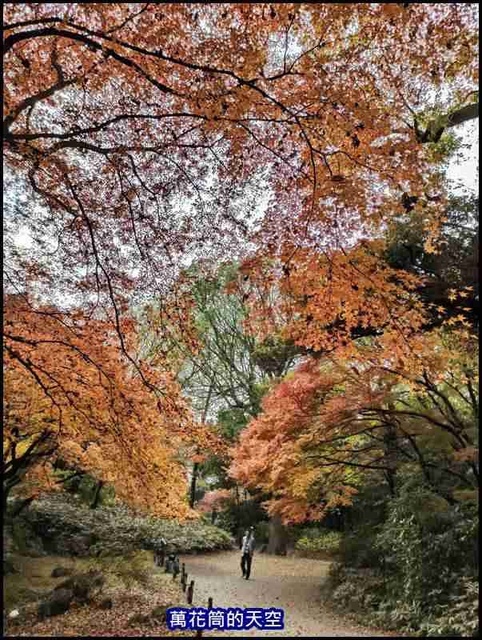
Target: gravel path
[(292, 584)]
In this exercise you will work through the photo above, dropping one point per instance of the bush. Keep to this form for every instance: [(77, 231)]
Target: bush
[(354, 590), (427, 544), (363, 593), (261, 533), (129, 570), (416, 571), (460, 616), (236, 518), (327, 541), (364, 519), (358, 548), (23, 537), (66, 527)]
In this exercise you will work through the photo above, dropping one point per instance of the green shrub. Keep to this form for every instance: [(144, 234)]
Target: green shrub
[(66, 526), (328, 541), (358, 549), (236, 518), (460, 616), (129, 569), (261, 533), (427, 544), (416, 571), (24, 538), (354, 590)]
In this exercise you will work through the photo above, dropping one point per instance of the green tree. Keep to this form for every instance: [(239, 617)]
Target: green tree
[(225, 371), (453, 269)]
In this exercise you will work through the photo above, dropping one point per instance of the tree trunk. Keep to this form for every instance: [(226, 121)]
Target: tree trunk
[(192, 490), (278, 538), (435, 128), (195, 469)]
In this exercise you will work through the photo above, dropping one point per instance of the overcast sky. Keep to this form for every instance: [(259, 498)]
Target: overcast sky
[(462, 173)]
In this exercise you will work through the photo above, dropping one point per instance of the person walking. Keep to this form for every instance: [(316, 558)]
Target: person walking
[(247, 549)]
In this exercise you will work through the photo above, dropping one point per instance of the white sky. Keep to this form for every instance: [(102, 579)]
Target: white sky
[(462, 173)]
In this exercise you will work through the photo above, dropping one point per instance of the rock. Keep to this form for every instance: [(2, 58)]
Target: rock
[(159, 613), (83, 584), (138, 618), (77, 545), (60, 572), (14, 617), (25, 540), (58, 602), (106, 604), (77, 588)]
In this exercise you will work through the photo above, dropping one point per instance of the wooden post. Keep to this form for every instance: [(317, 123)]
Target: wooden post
[(210, 603), (175, 568), (184, 581), (170, 563), (190, 592)]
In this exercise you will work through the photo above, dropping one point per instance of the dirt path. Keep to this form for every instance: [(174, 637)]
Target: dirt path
[(292, 584)]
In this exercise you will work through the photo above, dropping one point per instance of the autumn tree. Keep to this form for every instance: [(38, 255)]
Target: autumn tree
[(449, 278), (138, 139), (223, 369), (109, 165), (212, 501), (71, 399), (229, 365), (330, 423)]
